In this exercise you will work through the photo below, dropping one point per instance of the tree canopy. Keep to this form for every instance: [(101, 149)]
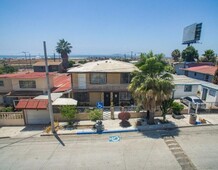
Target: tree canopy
[(64, 48), (209, 56), (176, 55), (190, 54), (151, 85)]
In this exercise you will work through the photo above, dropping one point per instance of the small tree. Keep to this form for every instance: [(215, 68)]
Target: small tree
[(68, 112), (209, 56), (166, 107), (189, 54), (95, 115), (175, 55)]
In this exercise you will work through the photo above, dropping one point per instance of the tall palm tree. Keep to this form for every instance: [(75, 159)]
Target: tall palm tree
[(151, 85), (64, 48)]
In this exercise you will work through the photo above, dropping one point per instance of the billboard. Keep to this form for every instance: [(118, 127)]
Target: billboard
[(192, 33)]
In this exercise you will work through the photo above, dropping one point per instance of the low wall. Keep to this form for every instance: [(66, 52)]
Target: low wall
[(11, 119), (80, 116)]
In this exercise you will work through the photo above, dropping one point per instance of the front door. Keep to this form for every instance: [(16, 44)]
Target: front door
[(107, 97), (204, 94), (116, 98)]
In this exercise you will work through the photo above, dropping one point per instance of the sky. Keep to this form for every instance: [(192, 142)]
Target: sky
[(96, 27)]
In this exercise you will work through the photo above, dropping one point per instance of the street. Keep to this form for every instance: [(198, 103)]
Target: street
[(133, 150)]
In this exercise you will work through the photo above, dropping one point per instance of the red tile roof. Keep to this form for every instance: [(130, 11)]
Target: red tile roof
[(62, 82), (32, 104), (202, 69), (26, 75)]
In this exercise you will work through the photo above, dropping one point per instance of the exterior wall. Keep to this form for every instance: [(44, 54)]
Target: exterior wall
[(200, 76), (7, 85), (41, 84), (95, 97), (179, 91), (80, 116), (209, 98), (177, 67), (39, 68), (113, 83), (11, 119)]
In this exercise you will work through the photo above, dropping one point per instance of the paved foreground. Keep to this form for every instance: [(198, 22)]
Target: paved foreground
[(147, 150)]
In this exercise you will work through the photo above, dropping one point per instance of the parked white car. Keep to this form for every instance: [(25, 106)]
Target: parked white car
[(194, 101)]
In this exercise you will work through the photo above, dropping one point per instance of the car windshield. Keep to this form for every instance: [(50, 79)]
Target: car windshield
[(198, 101)]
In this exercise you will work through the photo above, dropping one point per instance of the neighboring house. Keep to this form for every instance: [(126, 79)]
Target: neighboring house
[(36, 110), (179, 66), (53, 66), (62, 83), (102, 81), (186, 86), (204, 73), (23, 85)]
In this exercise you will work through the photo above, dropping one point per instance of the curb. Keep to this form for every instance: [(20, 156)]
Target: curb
[(127, 130)]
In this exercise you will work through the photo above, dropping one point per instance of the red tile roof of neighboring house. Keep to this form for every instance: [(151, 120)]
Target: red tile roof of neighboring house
[(62, 82), (26, 75), (202, 69), (32, 104)]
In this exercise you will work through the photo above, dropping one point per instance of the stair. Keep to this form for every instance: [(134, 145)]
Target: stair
[(106, 115)]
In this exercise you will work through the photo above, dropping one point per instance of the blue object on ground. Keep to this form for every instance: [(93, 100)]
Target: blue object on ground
[(114, 139), (198, 123)]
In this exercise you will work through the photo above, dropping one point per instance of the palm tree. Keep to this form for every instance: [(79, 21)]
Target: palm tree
[(176, 55), (151, 85), (64, 48)]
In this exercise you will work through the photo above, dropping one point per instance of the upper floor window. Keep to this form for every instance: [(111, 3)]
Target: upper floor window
[(27, 84), (188, 88), (1, 83), (125, 78), (98, 78), (206, 77), (212, 92)]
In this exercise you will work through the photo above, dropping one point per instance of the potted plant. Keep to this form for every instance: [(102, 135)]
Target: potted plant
[(177, 108)]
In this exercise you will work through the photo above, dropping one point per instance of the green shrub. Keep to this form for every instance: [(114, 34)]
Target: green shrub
[(7, 109), (69, 112), (177, 107), (95, 115)]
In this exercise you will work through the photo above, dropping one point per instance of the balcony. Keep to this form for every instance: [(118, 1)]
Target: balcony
[(102, 87)]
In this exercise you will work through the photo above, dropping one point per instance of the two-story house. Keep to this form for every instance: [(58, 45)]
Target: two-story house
[(23, 85), (102, 81)]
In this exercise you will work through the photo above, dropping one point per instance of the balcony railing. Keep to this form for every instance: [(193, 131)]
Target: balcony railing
[(103, 87)]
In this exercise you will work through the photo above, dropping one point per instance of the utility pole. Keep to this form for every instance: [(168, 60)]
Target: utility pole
[(25, 58), (49, 91), (54, 57)]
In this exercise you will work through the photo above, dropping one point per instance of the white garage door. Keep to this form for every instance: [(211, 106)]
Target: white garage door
[(37, 117)]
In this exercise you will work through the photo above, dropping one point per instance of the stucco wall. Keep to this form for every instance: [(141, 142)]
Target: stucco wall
[(95, 97), (41, 84), (199, 76), (179, 91), (7, 85)]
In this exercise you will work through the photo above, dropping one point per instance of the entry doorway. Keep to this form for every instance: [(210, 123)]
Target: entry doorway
[(116, 98), (107, 98), (204, 94)]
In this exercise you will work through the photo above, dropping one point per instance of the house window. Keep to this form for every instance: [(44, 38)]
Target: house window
[(188, 88), (125, 96), (27, 84), (98, 78), (195, 74), (81, 96), (125, 78), (212, 93), (1, 83), (186, 73), (206, 77)]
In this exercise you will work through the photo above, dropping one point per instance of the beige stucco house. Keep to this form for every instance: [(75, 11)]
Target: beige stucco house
[(102, 81)]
